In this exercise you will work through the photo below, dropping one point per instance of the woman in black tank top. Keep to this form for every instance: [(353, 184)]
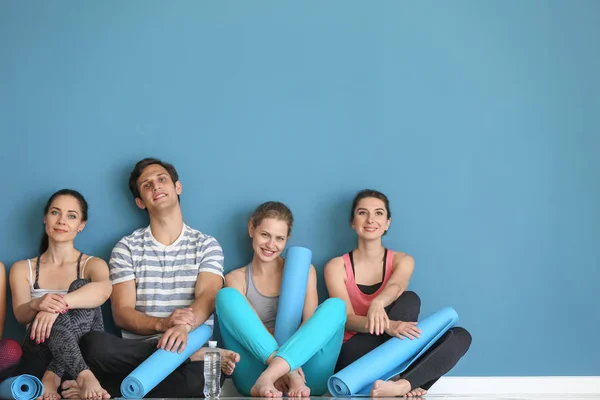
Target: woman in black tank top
[(52, 296), (391, 313)]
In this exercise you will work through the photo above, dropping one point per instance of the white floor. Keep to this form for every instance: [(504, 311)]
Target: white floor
[(497, 388)]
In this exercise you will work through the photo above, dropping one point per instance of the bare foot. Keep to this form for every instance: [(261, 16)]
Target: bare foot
[(298, 387), (418, 392), (264, 387), (70, 390), (90, 387), (283, 384), (228, 359), (390, 388), (51, 383)]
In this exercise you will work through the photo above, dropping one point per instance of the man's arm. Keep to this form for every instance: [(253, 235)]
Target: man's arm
[(126, 316), (209, 282), (207, 286), (123, 298)]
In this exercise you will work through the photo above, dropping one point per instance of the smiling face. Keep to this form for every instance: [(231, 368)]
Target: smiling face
[(64, 219), (370, 219), (157, 189), (269, 238)]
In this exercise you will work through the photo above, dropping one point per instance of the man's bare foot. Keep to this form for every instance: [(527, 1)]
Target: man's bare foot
[(264, 387), (51, 383), (297, 387), (70, 390), (390, 388), (228, 359), (418, 392), (90, 387)]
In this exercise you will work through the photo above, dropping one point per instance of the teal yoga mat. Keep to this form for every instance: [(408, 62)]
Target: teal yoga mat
[(391, 358), (160, 364), (22, 387), (292, 293)]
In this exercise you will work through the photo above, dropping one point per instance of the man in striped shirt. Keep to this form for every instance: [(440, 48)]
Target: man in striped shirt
[(165, 279)]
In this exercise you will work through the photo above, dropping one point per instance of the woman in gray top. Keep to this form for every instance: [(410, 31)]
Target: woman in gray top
[(247, 310)]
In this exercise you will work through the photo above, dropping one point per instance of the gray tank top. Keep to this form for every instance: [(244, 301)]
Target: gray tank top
[(265, 306)]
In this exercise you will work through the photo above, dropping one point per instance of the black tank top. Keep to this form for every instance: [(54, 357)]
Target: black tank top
[(369, 289)]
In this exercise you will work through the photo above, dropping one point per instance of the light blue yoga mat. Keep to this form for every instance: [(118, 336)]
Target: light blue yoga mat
[(22, 387), (292, 293), (160, 364), (391, 358)]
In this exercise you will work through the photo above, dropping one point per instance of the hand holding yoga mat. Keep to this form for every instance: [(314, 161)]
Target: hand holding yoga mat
[(160, 364), (292, 293), (22, 387), (391, 358)]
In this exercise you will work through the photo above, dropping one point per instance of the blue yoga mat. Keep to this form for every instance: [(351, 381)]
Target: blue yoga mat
[(391, 358), (292, 293), (22, 387), (160, 364)]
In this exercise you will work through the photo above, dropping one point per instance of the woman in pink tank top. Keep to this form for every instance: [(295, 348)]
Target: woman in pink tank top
[(373, 282)]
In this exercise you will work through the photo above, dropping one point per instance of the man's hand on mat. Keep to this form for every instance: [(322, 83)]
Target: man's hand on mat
[(377, 319), (181, 316), (174, 339), (42, 326), (401, 329)]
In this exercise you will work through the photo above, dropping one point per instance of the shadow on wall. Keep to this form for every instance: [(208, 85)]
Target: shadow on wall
[(123, 202), (338, 235)]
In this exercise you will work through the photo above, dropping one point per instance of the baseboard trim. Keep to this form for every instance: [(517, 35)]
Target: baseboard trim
[(513, 385), (499, 385)]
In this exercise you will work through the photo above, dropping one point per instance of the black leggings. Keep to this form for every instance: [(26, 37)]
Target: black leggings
[(111, 359), (431, 365), (60, 353)]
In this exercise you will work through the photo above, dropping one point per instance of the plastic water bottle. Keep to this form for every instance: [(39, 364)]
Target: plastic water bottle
[(212, 371)]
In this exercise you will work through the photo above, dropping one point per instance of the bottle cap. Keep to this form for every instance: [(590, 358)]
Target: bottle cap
[(212, 344)]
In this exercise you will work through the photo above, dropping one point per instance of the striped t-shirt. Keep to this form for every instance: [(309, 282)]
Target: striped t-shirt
[(165, 276)]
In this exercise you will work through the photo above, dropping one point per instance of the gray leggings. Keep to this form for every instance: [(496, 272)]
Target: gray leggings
[(60, 353)]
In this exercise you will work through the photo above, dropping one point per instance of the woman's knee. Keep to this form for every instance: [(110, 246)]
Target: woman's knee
[(336, 309), (406, 308), (411, 299), (228, 301), (461, 339)]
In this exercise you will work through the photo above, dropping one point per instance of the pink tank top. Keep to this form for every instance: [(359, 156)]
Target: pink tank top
[(359, 300)]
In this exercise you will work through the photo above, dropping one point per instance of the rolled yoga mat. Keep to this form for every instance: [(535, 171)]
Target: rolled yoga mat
[(22, 387), (391, 358), (160, 364), (292, 293)]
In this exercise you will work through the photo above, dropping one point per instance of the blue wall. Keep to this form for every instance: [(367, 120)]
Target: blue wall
[(479, 119)]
